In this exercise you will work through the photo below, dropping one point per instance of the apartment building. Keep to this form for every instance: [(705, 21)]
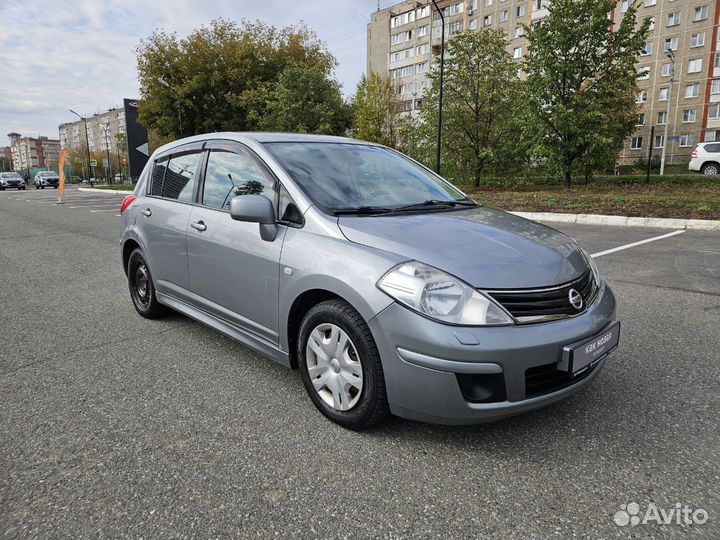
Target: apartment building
[(102, 131), (677, 69), (31, 152)]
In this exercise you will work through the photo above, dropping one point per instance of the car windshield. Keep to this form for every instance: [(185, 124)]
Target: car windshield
[(346, 176), (9, 175)]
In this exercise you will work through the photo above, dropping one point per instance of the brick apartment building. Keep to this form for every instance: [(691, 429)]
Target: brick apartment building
[(678, 70), (31, 152)]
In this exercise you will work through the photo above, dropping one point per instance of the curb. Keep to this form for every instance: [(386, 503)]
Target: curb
[(623, 221), (108, 191)]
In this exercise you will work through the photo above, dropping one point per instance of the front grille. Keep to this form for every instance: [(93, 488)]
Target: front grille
[(537, 305), (547, 378)]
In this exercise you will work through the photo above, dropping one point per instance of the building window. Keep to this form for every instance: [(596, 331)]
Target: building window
[(487, 20), (664, 94), (636, 143), (695, 65), (640, 120), (624, 6), (422, 68), (401, 55), (697, 40), (659, 140), (712, 135), (651, 25), (520, 10), (673, 19), (641, 97), (423, 31), (649, 3), (692, 90), (540, 4), (423, 12), (714, 111), (701, 13), (403, 18), (455, 28), (671, 43), (715, 86), (668, 69), (642, 74), (503, 16), (402, 37), (519, 31), (422, 49), (662, 118), (488, 3), (473, 24), (517, 52), (686, 139), (647, 48), (689, 115), (717, 59)]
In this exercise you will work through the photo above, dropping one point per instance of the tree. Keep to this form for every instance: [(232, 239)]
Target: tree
[(306, 100), (481, 108), (219, 78), (376, 111), (581, 81)]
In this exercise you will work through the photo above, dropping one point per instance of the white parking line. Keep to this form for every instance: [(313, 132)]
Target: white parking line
[(107, 210), (627, 246)]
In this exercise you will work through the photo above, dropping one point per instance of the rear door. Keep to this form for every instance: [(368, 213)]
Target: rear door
[(232, 269), (164, 214)]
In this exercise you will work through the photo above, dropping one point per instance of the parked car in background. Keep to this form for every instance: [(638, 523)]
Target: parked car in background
[(11, 180), (388, 288), (706, 159), (45, 179)]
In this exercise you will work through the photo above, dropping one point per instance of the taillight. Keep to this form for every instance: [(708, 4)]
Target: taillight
[(694, 154), (127, 201)]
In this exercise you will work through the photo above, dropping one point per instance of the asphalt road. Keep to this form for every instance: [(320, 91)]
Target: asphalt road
[(115, 426)]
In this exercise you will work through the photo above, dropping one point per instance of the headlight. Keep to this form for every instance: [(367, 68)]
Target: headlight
[(440, 296), (593, 267)]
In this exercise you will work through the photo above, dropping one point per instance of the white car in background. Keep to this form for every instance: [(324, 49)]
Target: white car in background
[(706, 159), (11, 180)]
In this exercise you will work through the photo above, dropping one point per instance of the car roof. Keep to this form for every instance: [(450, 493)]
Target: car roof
[(262, 137)]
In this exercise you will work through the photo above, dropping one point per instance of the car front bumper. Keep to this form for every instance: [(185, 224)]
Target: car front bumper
[(428, 365)]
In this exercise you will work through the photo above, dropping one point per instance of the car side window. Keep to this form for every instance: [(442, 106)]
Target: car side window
[(712, 148), (287, 209), (180, 176), (231, 174), (158, 175)]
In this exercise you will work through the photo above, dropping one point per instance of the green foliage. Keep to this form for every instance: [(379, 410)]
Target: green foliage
[(305, 100), (581, 83), (221, 76), (482, 133), (376, 111)]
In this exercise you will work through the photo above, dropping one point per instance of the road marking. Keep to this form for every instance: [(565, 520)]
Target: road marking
[(627, 246), (108, 210)]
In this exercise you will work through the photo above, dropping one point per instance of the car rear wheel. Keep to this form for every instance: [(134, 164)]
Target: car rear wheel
[(340, 366), (710, 169), (142, 288)]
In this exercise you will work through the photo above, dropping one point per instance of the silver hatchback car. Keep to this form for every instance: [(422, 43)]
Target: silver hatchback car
[(388, 288)]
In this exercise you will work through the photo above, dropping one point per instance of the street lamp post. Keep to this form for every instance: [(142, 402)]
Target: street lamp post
[(671, 56), (87, 140), (177, 100), (106, 130), (442, 73)]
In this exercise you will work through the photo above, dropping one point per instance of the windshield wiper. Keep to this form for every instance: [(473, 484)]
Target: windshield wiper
[(360, 210), (435, 203)]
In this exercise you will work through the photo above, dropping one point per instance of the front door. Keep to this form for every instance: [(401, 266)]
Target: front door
[(234, 271)]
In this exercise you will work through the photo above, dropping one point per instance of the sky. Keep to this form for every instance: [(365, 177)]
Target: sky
[(57, 55)]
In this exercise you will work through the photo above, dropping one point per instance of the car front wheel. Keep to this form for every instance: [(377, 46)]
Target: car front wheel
[(340, 366), (142, 288)]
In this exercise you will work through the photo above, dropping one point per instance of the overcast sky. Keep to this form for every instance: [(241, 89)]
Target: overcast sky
[(79, 54)]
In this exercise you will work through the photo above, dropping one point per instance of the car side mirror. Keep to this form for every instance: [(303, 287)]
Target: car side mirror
[(256, 209)]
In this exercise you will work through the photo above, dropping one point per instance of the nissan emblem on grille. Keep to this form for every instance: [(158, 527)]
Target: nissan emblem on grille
[(576, 299)]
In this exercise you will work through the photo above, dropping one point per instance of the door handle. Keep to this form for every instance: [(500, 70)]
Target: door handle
[(198, 226), (146, 213)]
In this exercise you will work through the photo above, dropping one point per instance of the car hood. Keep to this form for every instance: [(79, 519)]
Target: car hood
[(485, 247)]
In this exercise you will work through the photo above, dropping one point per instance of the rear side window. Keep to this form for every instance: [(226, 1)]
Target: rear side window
[(230, 174), (174, 178), (712, 148), (180, 176)]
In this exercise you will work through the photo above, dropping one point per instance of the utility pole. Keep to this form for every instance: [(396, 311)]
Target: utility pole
[(87, 141), (671, 56), (442, 73), (106, 129), (652, 136)]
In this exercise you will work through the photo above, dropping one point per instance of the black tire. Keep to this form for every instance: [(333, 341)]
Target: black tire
[(710, 169), (372, 405), (142, 288), (42, 187), (37, 187)]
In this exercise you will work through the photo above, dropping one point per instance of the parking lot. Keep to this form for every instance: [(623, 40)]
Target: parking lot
[(116, 426)]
